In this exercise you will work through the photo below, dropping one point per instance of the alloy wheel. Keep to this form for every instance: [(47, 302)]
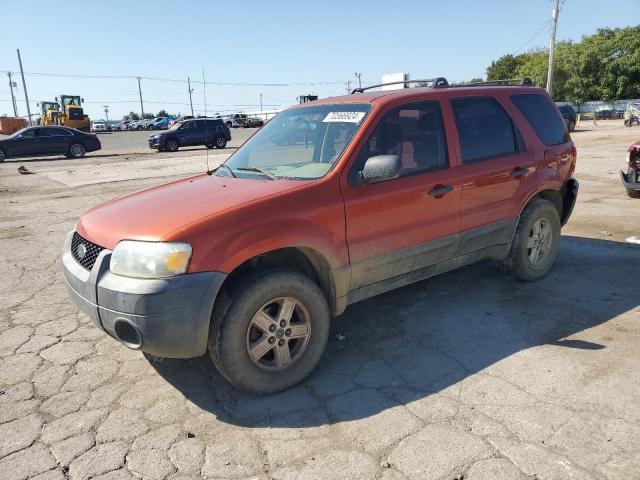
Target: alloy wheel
[(278, 334), (77, 150), (539, 242), (1, 155), (221, 142)]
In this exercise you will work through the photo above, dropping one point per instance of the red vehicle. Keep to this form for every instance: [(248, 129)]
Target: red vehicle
[(250, 261), (631, 179), (179, 119)]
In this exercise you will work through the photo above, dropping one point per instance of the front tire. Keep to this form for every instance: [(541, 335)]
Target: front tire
[(571, 125), (3, 156), (535, 242), (77, 150), (171, 145), (269, 332)]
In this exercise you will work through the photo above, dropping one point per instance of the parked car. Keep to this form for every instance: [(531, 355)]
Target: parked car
[(124, 126), (99, 127), (159, 123), (604, 114), (568, 114), (137, 125), (253, 122), (116, 127), (249, 261), (48, 140), (179, 119), (631, 179), (236, 120), (210, 132)]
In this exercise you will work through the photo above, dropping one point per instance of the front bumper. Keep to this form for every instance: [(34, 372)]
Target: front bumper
[(164, 317), (629, 183), (154, 143)]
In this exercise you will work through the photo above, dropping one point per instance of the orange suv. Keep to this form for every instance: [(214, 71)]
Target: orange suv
[(330, 203)]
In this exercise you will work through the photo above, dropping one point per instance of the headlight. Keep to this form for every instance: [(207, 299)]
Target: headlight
[(150, 259), (628, 157)]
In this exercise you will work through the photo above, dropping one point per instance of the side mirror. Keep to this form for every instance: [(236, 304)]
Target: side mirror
[(380, 168)]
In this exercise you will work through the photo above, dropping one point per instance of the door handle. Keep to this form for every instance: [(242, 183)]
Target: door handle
[(519, 172), (440, 190)]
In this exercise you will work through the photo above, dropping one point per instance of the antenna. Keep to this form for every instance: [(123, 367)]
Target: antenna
[(206, 124)]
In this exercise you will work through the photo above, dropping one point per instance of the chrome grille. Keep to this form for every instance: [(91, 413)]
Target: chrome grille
[(91, 251)]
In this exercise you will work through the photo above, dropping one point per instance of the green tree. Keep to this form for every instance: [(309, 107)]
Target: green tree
[(504, 68), (162, 113), (131, 116), (602, 66), (148, 116)]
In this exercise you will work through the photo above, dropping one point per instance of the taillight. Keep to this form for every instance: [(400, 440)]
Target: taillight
[(574, 153)]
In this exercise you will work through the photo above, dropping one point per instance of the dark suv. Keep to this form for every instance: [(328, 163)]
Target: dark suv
[(211, 132), (568, 114)]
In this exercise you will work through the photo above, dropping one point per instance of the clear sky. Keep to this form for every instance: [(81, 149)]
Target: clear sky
[(312, 47)]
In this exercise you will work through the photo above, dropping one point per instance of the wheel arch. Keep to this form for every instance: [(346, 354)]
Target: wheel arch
[(303, 259)]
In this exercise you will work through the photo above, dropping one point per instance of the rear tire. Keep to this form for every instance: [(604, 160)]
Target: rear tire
[(535, 243), (77, 150), (220, 142), (247, 319), (571, 126)]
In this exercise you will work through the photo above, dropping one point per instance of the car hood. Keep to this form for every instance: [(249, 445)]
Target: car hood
[(155, 213)]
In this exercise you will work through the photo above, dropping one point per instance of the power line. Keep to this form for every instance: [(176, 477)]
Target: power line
[(546, 25), (176, 80)]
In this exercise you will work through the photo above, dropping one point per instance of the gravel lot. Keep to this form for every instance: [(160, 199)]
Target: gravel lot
[(470, 373)]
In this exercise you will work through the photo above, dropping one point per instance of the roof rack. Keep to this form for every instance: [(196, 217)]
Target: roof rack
[(438, 82), (525, 82)]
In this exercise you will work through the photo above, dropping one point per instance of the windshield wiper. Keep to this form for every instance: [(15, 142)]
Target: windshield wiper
[(225, 166), (257, 170)]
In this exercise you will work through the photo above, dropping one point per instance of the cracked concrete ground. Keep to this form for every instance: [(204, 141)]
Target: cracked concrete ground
[(468, 374)]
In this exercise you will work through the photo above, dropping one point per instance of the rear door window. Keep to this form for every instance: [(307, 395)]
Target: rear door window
[(484, 129), (543, 117)]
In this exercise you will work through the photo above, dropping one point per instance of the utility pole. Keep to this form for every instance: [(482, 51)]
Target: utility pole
[(552, 47), (348, 86), (106, 112), (24, 85), (190, 92), (13, 98), (359, 77), (260, 102), (140, 92)]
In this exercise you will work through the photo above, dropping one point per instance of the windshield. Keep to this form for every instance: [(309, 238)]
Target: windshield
[(301, 143)]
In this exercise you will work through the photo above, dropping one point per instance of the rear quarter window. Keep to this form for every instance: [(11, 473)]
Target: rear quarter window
[(543, 117)]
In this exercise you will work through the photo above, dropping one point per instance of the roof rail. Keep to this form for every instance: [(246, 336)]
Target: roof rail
[(525, 82), (438, 82)]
